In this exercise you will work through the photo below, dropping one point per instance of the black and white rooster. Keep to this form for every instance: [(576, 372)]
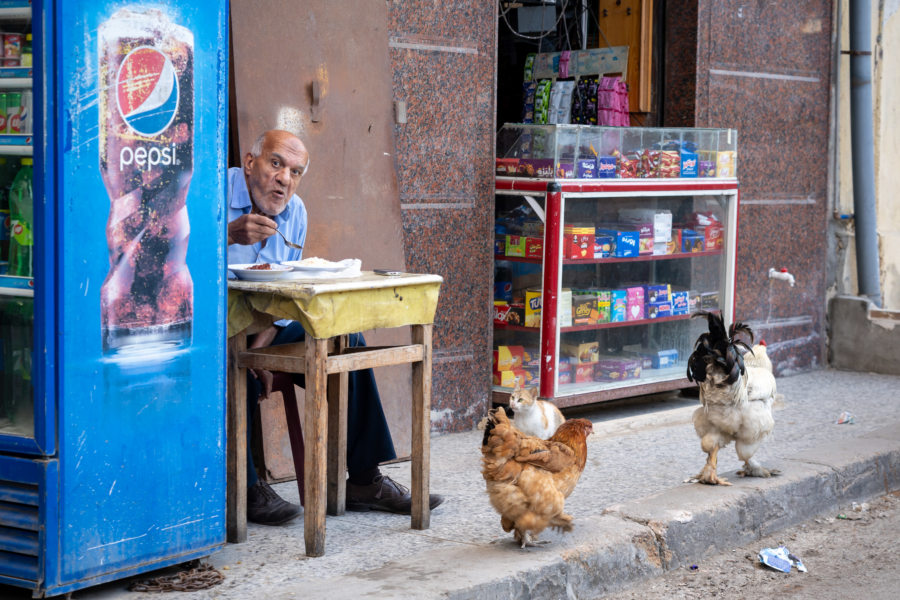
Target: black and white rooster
[(737, 390)]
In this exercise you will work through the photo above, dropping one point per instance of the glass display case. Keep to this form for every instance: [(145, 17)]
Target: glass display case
[(595, 282), (588, 152)]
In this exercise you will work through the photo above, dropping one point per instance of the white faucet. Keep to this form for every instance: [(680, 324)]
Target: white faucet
[(782, 274)]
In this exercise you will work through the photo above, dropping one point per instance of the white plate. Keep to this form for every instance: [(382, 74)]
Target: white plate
[(298, 265), (243, 271)]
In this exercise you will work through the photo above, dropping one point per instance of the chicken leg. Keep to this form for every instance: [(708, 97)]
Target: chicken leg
[(710, 445)]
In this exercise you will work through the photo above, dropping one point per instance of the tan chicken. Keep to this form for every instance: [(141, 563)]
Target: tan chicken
[(528, 479), (737, 391)]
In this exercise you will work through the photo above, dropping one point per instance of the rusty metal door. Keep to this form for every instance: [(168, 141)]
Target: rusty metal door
[(322, 70)]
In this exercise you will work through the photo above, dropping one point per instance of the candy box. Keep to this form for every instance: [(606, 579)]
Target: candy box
[(634, 303), (689, 163), (535, 167), (658, 309), (578, 242), (691, 241), (657, 293), (531, 358), (501, 308), (564, 364), (680, 303), (603, 246), (518, 377), (706, 168), (586, 168), (713, 236), (618, 306), (584, 308), (565, 170), (507, 167), (586, 352), (584, 373), (626, 243), (663, 359), (564, 377), (604, 298), (645, 238), (674, 244), (709, 300), (606, 167), (533, 302), (509, 358), (617, 368), (725, 164), (524, 247), (516, 314)]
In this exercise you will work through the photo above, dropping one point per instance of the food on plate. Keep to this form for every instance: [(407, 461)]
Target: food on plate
[(315, 261), (261, 267)]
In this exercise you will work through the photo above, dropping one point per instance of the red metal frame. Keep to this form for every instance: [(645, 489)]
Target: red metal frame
[(552, 252)]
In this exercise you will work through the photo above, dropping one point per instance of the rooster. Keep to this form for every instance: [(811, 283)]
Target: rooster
[(528, 479), (737, 391)]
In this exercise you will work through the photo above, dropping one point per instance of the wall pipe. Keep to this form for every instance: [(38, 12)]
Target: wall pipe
[(863, 147)]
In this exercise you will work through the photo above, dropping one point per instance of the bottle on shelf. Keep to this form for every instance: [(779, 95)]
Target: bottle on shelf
[(8, 166), (21, 222), (26, 60)]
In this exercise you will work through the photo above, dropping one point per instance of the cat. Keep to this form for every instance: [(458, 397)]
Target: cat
[(532, 416)]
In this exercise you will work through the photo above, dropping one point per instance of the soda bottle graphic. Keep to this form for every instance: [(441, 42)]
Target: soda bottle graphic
[(146, 141)]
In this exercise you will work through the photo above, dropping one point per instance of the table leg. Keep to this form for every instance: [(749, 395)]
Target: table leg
[(421, 429), (236, 446), (337, 436), (316, 429)]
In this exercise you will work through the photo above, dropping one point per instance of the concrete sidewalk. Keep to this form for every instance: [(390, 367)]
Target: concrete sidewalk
[(634, 516)]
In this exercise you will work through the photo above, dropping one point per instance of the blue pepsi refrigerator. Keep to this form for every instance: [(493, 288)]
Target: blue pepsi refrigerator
[(112, 318)]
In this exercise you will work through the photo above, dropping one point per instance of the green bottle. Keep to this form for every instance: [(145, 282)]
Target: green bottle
[(21, 215)]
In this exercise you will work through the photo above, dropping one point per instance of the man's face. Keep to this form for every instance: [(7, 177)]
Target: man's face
[(273, 176)]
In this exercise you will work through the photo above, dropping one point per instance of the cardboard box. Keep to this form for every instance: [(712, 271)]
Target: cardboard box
[(565, 170), (691, 241), (535, 167), (507, 167), (508, 358), (663, 359), (510, 379), (618, 368), (564, 307), (626, 243), (564, 378), (725, 164), (584, 373), (516, 314), (709, 300), (533, 302), (674, 245), (655, 310), (618, 306), (604, 306), (586, 168), (680, 304), (501, 309), (586, 352), (634, 303), (524, 247), (603, 246), (584, 308), (606, 167), (657, 292), (578, 242)]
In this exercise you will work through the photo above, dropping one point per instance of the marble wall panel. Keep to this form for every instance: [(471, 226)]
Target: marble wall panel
[(764, 69), (443, 62)]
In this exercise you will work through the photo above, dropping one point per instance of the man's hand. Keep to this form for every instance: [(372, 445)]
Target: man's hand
[(265, 378), (250, 228)]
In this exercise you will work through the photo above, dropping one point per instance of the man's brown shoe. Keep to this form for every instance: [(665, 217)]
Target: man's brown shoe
[(384, 494), (266, 507)]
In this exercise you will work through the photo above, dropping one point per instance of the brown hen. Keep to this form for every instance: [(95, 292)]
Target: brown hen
[(528, 479)]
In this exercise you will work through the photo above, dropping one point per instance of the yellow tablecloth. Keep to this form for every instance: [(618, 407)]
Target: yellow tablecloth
[(331, 307)]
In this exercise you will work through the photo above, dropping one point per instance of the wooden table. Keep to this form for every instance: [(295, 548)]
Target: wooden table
[(328, 309)]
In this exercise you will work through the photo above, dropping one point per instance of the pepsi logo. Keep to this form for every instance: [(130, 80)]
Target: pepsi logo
[(147, 91)]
